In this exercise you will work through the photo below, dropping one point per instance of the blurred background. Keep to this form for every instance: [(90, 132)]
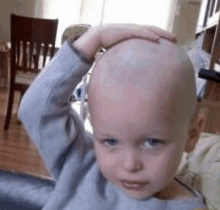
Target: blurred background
[(177, 16)]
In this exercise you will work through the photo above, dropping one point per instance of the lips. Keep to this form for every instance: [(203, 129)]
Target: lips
[(133, 185), (133, 182)]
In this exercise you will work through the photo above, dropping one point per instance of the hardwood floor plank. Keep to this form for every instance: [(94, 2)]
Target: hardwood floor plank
[(17, 152)]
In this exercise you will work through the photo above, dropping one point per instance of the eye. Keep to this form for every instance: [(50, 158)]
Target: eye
[(109, 142), (150, 143), (153, 143)]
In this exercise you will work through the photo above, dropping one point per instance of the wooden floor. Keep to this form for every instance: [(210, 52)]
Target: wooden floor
[(17, 152)]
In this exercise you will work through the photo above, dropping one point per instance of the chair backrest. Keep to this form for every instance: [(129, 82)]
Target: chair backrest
[(31, 39)]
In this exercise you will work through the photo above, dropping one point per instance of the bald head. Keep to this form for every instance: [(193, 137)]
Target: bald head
[(142, 63), (136, 67)]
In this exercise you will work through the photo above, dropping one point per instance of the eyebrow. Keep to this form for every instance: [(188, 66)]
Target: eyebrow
[(106, 135)]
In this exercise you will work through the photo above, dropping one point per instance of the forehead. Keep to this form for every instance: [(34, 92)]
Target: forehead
[(129, 114), (139, 63)]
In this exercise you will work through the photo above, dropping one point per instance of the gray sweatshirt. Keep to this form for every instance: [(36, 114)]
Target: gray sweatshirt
[(58, 133)]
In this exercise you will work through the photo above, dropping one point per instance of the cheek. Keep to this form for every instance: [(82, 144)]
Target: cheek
[(172, 161), (106, 162), (165, 165)]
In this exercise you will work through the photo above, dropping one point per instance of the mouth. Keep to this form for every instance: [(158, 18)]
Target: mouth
[(133, 185)]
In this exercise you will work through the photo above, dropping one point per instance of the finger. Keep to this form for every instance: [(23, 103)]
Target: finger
[(151, 36), (162, 33), (147, 34)]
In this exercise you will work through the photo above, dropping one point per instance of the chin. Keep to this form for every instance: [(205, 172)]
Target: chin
[(140, 197)]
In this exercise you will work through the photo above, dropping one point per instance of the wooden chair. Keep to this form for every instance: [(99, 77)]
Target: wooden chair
[(32, 43), (4, 54)]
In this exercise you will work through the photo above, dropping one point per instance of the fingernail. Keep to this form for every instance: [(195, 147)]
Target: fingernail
[(175, 39)]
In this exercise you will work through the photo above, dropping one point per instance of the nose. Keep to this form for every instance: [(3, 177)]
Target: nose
[(132, 162)]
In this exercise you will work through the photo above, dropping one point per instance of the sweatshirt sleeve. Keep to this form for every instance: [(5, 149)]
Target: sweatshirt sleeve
[(45, 111)]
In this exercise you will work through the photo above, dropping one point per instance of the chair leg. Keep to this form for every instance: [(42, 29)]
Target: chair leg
[(9, 108), (22, 93)]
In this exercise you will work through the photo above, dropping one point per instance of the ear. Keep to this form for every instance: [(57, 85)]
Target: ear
[(194, 134)]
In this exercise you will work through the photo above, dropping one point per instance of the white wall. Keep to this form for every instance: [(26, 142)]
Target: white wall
[(67, 11), (156, 12), (152, 12), (22, 7), (39, 8)]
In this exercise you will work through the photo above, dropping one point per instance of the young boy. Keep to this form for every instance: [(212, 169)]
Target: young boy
[(141, 101)]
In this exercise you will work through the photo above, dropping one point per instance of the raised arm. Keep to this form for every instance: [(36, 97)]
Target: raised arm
[(45, 111)]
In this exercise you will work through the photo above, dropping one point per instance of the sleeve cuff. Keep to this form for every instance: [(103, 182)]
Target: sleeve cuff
[(83, 58)]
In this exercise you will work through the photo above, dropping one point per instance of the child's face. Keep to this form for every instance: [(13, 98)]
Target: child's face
[(139, 135)]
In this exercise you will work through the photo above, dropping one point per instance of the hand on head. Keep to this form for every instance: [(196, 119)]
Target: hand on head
[(107, 35), (112, 34)]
